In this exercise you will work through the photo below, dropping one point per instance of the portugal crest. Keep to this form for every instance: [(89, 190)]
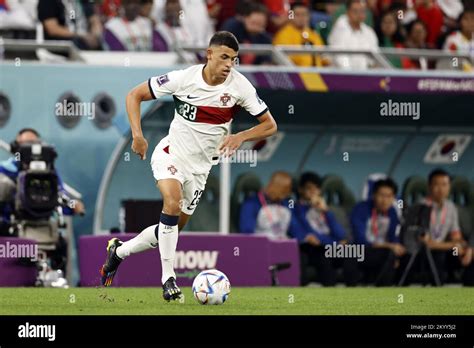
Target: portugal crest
[(172, 169), (225, 98)]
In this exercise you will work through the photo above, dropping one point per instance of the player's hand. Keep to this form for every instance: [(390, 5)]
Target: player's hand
[(230, 144), (139, 146)]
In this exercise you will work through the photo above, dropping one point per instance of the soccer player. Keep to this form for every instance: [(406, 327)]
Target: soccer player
[(206, 97)]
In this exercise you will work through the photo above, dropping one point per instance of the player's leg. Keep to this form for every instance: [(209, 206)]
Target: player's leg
[(118, 250), (171, 191), (183, 220), (161, 162)]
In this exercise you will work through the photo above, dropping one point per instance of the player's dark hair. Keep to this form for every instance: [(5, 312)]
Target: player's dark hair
[(25, 130), (310, 177), (388, 182), (224, 38), (297, 4), (437, 172)]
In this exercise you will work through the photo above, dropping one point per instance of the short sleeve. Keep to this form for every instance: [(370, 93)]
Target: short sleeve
[(165, 84), (250, 100), (48, 9)]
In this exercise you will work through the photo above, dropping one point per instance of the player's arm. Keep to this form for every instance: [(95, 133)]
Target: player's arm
[(266, 127), (134, 98)]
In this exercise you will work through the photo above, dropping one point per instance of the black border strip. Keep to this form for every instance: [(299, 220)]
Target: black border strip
[(289, 330), (261, 113), (151, 89)]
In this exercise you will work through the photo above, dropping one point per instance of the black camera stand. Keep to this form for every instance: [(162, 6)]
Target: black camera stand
[(421, 248)]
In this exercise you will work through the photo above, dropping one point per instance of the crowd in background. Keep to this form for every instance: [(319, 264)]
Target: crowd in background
[(160, 25), (420, 243)]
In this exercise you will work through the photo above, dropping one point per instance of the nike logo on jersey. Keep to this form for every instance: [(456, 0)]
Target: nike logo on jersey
[(191, 97)]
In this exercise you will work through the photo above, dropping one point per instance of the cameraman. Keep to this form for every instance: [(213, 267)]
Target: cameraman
[(11, 169)]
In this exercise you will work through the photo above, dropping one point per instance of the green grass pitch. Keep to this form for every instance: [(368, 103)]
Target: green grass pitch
[(248, 301)]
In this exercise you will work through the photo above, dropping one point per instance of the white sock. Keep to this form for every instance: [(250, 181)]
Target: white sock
[(168, 240), (143, 241)]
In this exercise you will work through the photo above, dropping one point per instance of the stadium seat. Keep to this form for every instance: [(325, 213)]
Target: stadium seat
[(206, 217), (337, 193), (245, 185), (339, 199), (414, 189)]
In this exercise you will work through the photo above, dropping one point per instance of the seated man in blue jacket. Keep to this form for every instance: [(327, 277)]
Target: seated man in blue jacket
[(268, 212), (314, 226), (375, 224)]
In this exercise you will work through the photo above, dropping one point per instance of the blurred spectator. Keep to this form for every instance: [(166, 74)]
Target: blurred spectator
[(430, 13), (279, 12), (405, 9), (314, 226), (321, 16), (146, 8), (170, 27), (369, 12), (375, 224), (416, 38), (194, 20), (71, 20), (452, 10), (437, 216), (132, 32), (222, 10), (350, 32), (462, 41), (389, 35), (110, 8), (297, 32), (18, 14), (251, 30), (268, 213)]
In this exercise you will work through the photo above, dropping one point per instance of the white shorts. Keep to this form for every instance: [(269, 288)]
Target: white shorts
[(166, 166)]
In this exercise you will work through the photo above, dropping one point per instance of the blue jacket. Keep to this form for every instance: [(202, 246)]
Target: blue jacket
[(249, 213), (360, 216), (300, 227)]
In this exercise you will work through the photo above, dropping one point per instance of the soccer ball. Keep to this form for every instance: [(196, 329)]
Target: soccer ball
[(211, 287)]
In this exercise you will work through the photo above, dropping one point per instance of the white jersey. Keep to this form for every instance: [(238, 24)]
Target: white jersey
[(203, 113)]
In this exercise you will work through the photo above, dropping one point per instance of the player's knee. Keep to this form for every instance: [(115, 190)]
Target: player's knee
[(172, 206)]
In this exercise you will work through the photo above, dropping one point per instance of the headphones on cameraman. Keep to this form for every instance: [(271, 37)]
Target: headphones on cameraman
[(15, 146)]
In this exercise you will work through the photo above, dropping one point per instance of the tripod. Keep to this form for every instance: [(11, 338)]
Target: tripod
[(420, 248)]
